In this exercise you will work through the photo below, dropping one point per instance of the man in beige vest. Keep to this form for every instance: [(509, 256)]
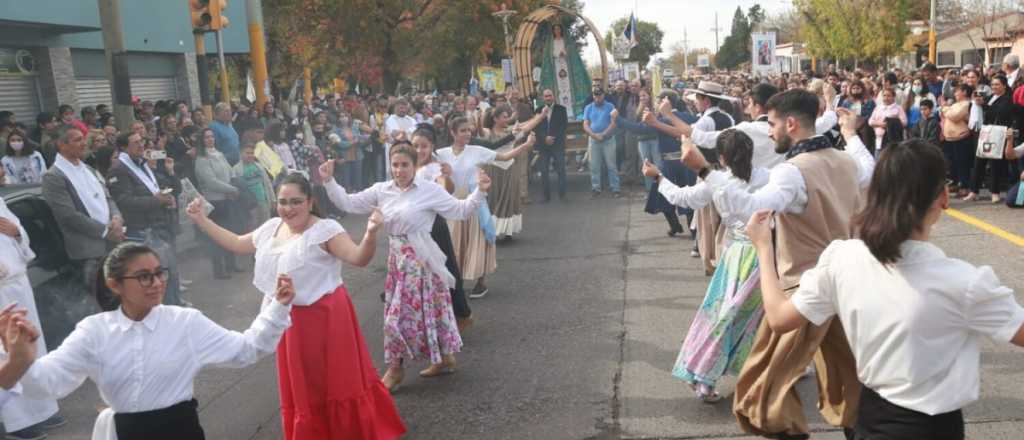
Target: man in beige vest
[(814, 195)]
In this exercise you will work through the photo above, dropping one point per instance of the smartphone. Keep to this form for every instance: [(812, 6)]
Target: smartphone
[(155, 154)]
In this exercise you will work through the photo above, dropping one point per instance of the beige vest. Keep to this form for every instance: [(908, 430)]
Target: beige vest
[(833, 197)]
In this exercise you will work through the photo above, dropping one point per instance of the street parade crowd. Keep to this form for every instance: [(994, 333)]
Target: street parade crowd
[(809, 197)]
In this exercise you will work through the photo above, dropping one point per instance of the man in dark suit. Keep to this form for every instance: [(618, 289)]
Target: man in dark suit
[(85, 213), (551, 143), (149, 211)]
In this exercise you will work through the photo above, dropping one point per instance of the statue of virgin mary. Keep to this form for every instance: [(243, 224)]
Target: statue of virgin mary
[(564, 73)]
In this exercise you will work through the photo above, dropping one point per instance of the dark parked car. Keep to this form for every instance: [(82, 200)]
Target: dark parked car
[(61, 296)]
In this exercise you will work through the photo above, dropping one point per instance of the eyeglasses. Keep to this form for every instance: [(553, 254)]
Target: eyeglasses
[(291, 202), (146, 278)]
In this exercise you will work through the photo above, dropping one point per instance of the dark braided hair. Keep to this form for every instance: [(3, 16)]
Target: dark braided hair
[(737, 149)]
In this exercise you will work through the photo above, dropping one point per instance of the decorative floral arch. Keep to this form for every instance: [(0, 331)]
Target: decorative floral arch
[(522, 58)]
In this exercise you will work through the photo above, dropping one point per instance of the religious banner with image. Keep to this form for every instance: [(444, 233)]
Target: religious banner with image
[(763, 54), (492, 79)]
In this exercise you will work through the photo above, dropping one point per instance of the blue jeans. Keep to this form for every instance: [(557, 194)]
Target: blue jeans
[(603, 152), (649, 151), (352, 175)]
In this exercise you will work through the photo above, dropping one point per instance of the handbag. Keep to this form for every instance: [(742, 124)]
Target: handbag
[(992, 142)]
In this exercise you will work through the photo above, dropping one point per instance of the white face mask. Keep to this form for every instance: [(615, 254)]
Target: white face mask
[(17, 146), (916, 89)]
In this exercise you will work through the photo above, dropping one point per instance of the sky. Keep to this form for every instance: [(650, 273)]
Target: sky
[(673, 16)]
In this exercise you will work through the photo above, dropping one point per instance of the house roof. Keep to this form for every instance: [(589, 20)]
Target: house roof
[(976, 23)]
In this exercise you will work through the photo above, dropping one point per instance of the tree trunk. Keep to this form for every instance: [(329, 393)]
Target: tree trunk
[(388, 61)]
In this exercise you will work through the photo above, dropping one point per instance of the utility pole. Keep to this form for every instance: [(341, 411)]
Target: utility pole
[(932, 44), (225, 93), (203, 71), (715, 30), (117, 63), (257, 51), (686, 53)]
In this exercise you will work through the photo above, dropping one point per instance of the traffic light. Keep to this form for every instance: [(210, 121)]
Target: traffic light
[(208, 15), (199, 10), (217, 19)]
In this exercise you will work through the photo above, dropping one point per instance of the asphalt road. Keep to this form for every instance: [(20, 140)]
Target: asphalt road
[(576, 339)]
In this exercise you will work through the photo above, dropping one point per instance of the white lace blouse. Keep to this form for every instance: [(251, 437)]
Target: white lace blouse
[(313, 270)]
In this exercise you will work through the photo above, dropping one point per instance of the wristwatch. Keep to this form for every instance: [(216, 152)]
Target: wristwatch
[(703, 172)]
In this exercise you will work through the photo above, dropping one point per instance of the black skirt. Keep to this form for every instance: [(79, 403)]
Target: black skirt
[(176, 422), (879, 419)]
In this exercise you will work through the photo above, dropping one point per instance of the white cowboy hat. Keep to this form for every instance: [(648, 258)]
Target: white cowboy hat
[(711, 89)]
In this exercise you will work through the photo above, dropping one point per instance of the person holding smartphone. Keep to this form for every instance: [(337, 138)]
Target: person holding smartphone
[(144, 188)]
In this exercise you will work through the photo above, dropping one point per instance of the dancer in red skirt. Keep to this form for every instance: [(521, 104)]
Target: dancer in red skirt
[(329, 387)]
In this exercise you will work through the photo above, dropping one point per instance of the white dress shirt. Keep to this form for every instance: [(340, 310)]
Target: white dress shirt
[(14, 253), (430, 172), (150, 364), (786, 190), (314, 271), (89, 188), (406, 124), (915, 327), (411, 213), (699, 195), (464, 164), (759, 132)]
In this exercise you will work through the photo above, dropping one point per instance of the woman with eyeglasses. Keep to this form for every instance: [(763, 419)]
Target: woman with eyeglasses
[(329, 388), (144, 356)]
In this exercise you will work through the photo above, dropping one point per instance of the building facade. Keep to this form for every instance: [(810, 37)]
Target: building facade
[(51, 52)]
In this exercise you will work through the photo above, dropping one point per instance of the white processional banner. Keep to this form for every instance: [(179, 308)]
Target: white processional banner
[(763, 54)]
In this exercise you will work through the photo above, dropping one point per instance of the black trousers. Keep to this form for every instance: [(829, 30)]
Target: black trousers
[(997, 177), (880, 419), (557, 156), (443, 237), (176, 422)]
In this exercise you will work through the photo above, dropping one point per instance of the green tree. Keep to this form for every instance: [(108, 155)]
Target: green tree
[(648, 38), (854, 29), (735, 49)]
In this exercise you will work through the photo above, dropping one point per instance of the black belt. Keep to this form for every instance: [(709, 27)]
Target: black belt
[(176, 422)]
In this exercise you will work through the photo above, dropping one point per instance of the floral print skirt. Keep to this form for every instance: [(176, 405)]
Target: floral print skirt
[(723, 331), (418, 319)]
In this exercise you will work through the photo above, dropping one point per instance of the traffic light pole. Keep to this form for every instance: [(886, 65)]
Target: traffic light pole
[(257, 51), (225, 93), (203, 71), (117, 63)]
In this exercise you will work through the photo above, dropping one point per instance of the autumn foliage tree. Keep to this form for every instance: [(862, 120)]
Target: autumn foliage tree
[(379, 42)]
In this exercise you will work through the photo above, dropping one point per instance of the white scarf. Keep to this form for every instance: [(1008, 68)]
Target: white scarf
[(89, 188), (144, 174)]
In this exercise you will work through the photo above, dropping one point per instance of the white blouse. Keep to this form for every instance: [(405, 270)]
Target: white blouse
[(429, 172), (410, 213), (701, 194), (464, 164), (313, 270), (915, 327), (150, 364)]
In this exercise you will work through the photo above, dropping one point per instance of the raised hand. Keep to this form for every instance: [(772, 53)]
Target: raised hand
[(483, 181), (648, 117), (692, 157), (285, 289), (847, 122), (195, 210), (650, 170), (446, 169), (327, 170), (759, 228), (374, 222), (665, 107)]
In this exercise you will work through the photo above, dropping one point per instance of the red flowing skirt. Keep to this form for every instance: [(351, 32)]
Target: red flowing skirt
[(329, 387)]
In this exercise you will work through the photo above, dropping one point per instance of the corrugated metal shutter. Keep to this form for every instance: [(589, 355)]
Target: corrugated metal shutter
[(92, 91), (18, 95), (154, 89)]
